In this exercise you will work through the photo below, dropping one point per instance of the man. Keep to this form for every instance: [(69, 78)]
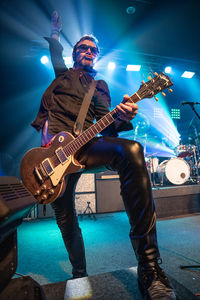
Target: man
[(58, 111)]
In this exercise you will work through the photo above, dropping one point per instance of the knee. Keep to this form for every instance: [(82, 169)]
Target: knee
[(129, 153), (132, 149)]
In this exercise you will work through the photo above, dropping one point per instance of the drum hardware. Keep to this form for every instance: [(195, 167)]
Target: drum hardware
[(152, 164)]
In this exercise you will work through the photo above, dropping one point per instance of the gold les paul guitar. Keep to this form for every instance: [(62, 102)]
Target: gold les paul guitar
[(43, 169)]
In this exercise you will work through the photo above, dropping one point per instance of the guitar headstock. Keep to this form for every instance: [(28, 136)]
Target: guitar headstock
[(154, 86)]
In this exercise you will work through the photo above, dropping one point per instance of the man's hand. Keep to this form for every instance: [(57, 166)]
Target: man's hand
[(128, 110), (56, 25)]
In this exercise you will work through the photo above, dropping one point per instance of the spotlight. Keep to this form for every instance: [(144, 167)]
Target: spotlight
[(133, 67), (187, 74), (44, 60), (175, 113), (111, 66), (168, 70)]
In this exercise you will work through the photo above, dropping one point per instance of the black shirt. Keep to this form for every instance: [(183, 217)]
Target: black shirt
[(62, 100)]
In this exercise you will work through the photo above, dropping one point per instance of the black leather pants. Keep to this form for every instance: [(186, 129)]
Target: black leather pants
[(126, 157)]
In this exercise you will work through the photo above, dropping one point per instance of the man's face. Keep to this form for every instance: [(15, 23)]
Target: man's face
[(86, 54)]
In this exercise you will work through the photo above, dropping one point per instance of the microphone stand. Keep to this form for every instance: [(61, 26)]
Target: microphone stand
[(192, 107)]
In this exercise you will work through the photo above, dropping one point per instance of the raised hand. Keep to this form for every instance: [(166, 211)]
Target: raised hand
[(56, 25)]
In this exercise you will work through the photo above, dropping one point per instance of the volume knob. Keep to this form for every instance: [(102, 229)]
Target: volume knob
[(44, 197), (43, 187), (51, 191)]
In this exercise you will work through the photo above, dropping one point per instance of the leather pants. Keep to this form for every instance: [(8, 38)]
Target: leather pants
[(127, 158)]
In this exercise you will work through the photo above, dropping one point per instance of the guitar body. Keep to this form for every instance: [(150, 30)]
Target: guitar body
[(43, 173)]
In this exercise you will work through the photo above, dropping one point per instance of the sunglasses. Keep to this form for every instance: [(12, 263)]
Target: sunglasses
[(84, 48)]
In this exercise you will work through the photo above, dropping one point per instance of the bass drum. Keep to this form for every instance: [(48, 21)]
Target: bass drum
[(175, 170)]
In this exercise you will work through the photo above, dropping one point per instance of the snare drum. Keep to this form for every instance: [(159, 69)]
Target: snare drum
[(175, 170)]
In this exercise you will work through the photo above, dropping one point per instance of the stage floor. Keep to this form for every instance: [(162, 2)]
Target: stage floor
[(42, 255)]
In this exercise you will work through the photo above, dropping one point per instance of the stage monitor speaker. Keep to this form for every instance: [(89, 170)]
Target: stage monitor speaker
[(15, 204)]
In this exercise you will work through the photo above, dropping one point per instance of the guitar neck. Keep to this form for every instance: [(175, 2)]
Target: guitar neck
[(96, 128)]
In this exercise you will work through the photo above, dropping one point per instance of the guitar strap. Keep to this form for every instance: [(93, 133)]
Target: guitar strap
[(78, 126)]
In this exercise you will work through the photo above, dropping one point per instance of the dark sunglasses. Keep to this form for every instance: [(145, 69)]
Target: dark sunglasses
[(84, 48)]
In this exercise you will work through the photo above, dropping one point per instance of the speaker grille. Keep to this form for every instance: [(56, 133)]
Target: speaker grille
[(13, 191)]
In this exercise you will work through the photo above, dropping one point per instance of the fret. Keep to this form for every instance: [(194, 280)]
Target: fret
[(88, 132), (93, 133), (78, 142), (66, 150), (71, 147), (103, 123), (109, 118), (98, 127), (84, 138), (106, 121), (95, 129)]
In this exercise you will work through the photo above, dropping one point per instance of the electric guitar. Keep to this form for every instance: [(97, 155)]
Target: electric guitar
[(43, 169)]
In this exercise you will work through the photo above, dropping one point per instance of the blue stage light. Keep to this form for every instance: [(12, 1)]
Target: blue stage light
[(187, 74), (111, 66), (44, 60), (133, 67), (168, 70)]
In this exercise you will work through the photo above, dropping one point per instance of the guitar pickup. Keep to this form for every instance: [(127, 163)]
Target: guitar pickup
[(47, 166), (61, 155)]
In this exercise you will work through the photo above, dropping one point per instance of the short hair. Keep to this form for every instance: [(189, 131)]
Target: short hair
[(90, 37)]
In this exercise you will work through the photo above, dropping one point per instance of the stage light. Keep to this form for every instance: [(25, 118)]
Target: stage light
[(168, 70), (68, 60), (133, 67), (187, 74), (111, 66), (44, 60), (157, 113), (175, 113)]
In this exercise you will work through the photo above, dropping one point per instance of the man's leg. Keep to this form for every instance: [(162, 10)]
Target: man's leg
[(67, 221), (126, 157)]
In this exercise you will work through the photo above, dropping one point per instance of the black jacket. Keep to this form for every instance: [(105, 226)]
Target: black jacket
[(62, 100)]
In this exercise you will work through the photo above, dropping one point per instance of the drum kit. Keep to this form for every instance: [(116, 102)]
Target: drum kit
[(184, 168)]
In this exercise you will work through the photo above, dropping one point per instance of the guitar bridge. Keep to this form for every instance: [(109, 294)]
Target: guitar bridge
[(37, 173)]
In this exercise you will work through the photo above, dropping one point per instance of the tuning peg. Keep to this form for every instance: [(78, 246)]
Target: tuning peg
[(156, 98), (163, 94), (155, 73), (170, 90), (149, 77)]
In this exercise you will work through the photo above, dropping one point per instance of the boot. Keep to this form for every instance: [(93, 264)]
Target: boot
[(153, 283)]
